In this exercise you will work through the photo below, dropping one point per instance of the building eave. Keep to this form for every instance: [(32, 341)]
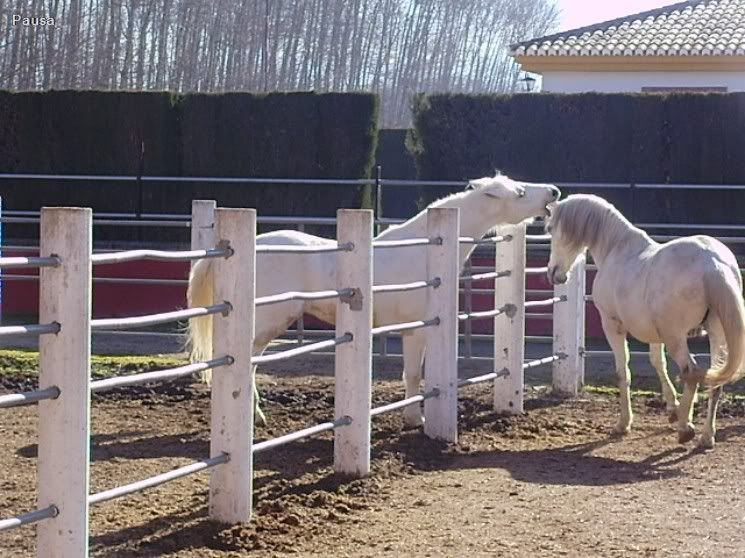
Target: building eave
[(540, 64)]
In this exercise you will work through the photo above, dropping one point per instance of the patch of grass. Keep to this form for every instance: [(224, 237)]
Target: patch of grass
[(26, 363)]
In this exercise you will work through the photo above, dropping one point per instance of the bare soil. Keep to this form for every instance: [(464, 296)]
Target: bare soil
[(548, 483)]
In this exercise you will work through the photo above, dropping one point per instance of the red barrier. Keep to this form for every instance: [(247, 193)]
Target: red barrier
[(119, 300)]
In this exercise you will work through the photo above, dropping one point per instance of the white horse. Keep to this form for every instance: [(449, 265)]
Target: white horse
[(485, 203), (657, 293)]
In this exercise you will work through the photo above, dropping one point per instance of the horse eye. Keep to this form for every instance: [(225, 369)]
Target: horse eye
[(521, 193)]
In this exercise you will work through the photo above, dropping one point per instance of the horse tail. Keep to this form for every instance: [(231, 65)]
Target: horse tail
[(199, 329), (725, 300)]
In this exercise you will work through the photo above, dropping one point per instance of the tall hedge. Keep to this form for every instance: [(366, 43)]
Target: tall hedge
[(280, 135), (396, 162), (594, 137), (300, 135)]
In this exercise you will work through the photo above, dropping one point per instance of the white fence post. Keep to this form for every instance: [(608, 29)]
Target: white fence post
[(232, 386), (64, 362), (569, 332), (509, 328), (353, 361), (441, 357), (203, 233)]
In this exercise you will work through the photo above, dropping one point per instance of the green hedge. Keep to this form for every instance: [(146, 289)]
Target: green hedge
[(280, 135), (295, 135), (593, 137)]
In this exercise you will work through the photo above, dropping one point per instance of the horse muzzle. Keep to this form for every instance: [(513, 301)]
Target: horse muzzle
[(555, 277)]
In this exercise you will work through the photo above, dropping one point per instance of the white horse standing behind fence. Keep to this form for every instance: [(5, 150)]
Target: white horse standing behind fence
[(657, 293), (487, 202)]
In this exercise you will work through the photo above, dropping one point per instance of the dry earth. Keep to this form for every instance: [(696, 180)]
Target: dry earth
[(548, 483)]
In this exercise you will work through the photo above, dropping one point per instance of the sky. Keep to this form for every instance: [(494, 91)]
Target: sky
[(578, 13)]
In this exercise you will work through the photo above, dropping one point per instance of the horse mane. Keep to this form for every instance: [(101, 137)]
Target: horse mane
[(445, 201), (586, 220)]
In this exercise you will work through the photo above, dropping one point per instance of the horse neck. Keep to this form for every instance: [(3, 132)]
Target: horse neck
[(472, 223), (619, 238)]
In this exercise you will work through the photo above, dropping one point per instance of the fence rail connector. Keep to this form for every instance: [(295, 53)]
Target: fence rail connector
[(441, 360), (509, 330), (232, 402), (353, 361), (64, 362), (568, 374)]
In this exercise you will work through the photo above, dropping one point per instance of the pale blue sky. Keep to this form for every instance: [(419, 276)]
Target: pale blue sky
[(578, 13)]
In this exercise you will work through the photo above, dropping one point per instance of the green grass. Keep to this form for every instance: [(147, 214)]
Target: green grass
[(27, 363)]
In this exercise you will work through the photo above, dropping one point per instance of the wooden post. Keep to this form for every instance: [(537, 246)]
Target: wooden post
[(441, 357), (353, 361), (64, 362), (509, 329), (203, 233), (569, 332), (232, 386)]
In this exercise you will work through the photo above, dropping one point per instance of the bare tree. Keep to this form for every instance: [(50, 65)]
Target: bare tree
[(393, 47)]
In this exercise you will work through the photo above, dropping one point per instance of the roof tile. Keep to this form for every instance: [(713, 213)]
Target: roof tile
[(692, 28)]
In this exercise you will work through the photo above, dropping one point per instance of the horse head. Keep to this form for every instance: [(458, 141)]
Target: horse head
[(510, 201)]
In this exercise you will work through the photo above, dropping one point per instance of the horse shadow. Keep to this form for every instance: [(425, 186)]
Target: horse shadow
[(571, 465)]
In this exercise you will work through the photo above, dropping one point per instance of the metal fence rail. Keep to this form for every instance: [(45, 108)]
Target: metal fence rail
[(406, 326), (467, 316), (483, 378), (403, 403), (299, 435), (157, 480), (485, 276), (19, 262), (547, 302), (31, 329), (407, 242), (98, 386), (405, 287), (488, 241), (298, 249), (541, 361), (160, 255), (299, 295), (28, 397), (163, 318), (28, 518), (304, 349)]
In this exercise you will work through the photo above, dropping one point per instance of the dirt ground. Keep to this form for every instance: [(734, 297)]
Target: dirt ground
[(548, 483)]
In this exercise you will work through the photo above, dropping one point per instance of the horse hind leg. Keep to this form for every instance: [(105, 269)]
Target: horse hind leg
[(657, 358), (413, 349), (689, 371)]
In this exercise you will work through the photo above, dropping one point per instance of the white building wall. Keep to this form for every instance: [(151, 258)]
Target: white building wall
[(629, 82)]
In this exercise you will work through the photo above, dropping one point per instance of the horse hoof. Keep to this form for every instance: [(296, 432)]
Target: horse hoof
[(706, 442), (620, 429), (686, 435), (413, 421)]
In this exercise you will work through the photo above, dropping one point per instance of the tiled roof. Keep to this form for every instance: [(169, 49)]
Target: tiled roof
[(693, 28)]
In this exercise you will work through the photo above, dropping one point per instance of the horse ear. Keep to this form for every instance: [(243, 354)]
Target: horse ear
[(470, 186)]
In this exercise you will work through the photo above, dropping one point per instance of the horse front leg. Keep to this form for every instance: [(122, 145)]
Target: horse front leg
[(657, 358), (616, 336), (413, 349)]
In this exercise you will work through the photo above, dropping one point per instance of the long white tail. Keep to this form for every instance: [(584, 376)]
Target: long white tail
[(725, 300), (200, 293)]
